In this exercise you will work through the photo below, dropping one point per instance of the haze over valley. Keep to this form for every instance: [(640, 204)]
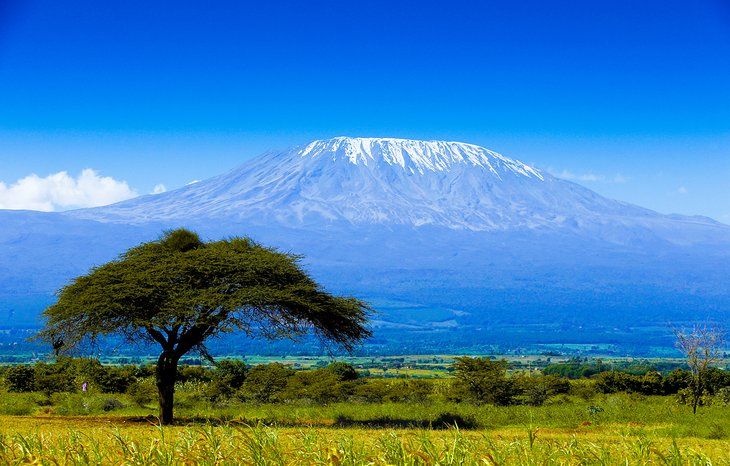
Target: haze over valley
[(453, 244)]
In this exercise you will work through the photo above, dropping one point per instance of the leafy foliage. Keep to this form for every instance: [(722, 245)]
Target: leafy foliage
[(20, 378), (179, 291), (484, 380), (264, 383)]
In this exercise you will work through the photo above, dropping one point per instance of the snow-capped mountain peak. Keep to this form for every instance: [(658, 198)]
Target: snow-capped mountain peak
[(384, 181), (416, 156)]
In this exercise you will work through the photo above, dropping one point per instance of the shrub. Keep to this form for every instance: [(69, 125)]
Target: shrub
[(193, 374), (534, 391), (484, 380), (583, 388), (142, 392), (231, 371), (686, 396), (372, 391), (652, 383), (19, 404), (409, 391), (722, 396), (227, 377), (714, 379), (264, 383), (114, 380), (614, 382), (20, 378), (110, 404), (344, 371), (319, 386), (676, 381), (574, 369)]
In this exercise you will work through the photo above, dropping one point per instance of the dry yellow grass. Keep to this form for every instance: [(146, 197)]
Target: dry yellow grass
[(99, 440)]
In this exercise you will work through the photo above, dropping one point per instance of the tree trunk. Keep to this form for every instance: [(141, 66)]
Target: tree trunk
[(696, 394), (698, 391), (166, 374)]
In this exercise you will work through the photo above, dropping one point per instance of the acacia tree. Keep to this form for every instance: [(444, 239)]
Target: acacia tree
[(701, 346), (179, 291)]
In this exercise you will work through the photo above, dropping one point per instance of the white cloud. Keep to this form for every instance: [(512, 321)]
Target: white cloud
[(590, 177), (193, 182), (60, 191), (682, 190), (159, 189)]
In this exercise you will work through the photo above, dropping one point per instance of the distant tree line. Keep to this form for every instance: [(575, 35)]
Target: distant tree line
[(475, 380)]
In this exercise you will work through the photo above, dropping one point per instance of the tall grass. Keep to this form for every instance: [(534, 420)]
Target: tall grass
[(262, 445), (608, 429), (661, 415)]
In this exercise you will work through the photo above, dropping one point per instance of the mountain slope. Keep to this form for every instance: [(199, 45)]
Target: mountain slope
[(446, 239), (378, 181)]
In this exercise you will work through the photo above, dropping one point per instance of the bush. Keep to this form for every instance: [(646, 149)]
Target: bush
[(227, 378), (574, 370), (264, 383), (193, 374), (344, 371), (19, 404), (583, 388), (652, 383), (484, 380), (714, 379), (75, 404), (67, 375), (410, 391), (534, 391), (393, 390), (319, 386), (110, 404), (372, 391), (114, 380), (614, 382), (143, 392), (20, 378), (676, 381), (722, 396), (686, 396)]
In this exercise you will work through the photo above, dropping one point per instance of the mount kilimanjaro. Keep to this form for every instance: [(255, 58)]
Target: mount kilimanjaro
[(454, 244)]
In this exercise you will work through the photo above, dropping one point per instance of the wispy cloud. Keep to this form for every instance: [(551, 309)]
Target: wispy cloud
[(159, 189), (61, 191), (590, 177), (682, 190)]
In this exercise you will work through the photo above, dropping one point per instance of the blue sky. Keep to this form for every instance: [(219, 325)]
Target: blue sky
[(629, 98)]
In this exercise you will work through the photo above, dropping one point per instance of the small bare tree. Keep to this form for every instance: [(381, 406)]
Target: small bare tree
[(701, 346)]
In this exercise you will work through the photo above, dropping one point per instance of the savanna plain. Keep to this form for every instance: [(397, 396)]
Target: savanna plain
[(479, 411)]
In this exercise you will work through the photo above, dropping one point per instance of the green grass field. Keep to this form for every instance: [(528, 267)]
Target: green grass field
[(627, 429)]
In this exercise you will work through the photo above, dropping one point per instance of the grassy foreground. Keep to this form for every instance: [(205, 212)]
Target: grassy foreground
[(137, 441)]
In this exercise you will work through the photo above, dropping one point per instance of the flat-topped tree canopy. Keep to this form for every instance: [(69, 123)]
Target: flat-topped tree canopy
[(179, 291)]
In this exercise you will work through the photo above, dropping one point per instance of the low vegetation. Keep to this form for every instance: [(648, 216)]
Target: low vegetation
[(486, 413), (90, 441)]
